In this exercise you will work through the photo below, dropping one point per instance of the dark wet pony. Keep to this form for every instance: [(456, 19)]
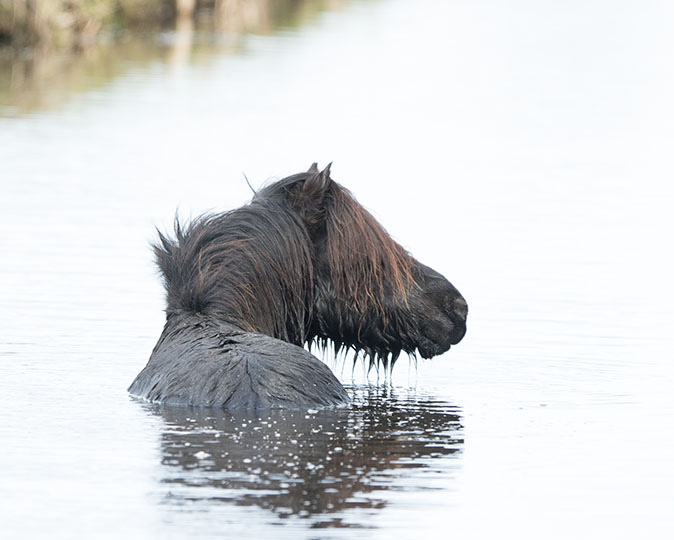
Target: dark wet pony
[(303, 263)]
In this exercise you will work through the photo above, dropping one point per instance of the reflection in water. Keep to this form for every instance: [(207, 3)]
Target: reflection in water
[(42, 79), (179, 53), (265, 16), (317, 464)]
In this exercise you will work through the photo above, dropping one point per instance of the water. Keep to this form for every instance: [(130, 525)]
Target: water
[(317, 469), (523, 151)]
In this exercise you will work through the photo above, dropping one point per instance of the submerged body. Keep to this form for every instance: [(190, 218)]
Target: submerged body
[(204, 362), (302, 263)]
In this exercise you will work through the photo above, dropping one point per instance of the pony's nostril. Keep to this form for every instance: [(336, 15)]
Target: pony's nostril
[(460, 307)]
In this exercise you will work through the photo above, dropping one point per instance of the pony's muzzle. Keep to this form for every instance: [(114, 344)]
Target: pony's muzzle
[(458, 312)]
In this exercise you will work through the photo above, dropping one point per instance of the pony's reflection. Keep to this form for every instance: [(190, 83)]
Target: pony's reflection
[(307, 463)]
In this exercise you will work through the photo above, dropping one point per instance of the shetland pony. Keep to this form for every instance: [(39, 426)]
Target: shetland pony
[(302, 263)]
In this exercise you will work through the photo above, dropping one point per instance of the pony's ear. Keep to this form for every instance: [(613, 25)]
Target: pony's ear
[(308, 199)]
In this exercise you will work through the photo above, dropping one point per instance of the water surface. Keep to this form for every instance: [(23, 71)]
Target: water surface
[(524, 151)]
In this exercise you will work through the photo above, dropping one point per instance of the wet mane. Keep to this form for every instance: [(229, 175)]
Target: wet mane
[(250, 267), (365, 264), (261, 267)]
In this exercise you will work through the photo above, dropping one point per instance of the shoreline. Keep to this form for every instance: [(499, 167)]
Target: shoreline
[(78, 24), (43, 77)]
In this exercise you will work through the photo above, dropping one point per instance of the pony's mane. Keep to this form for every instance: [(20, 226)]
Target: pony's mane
[(256, 266), (366, 265), (250, 267)]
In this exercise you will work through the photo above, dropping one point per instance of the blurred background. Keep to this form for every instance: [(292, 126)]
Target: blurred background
[(522, 149)]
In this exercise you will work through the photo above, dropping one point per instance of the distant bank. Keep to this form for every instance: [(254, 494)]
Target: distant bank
[(41, 72), (77, 23)]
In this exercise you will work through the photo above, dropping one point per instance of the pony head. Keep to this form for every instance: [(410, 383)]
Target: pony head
[(369, 295)]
